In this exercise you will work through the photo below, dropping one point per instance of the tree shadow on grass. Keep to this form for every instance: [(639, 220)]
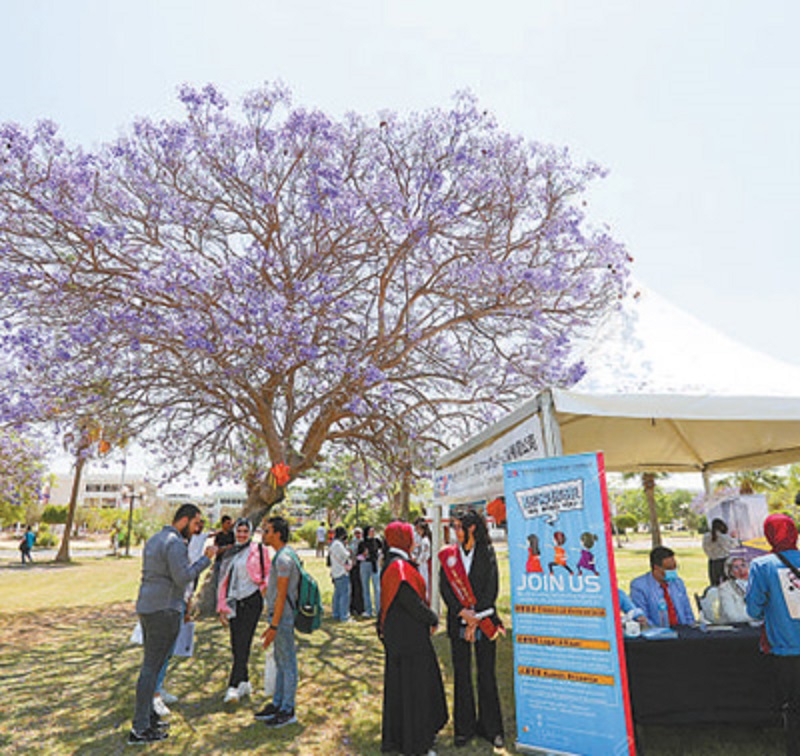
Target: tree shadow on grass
[(70, 677)]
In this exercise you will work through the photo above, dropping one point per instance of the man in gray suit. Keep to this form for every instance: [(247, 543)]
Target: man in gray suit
[(166, 572)]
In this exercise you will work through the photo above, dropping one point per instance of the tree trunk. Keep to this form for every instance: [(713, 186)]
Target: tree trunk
[(649, 485), (63, 551), (405, 495), (401, 499), (261, 498)]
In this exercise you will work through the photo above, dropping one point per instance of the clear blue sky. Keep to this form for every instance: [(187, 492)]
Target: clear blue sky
[(692, 106)]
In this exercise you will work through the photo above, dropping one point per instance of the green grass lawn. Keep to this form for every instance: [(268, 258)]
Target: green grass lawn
[(68, 674)]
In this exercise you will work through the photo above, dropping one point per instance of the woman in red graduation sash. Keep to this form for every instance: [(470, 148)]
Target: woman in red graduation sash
[(469, 584), (414, 706)]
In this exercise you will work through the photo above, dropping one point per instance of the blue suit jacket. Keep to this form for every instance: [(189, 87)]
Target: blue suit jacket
[(646, 592)]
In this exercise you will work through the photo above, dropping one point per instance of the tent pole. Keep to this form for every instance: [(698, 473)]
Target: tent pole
[(707, 482), (550, 430), (435, 546)]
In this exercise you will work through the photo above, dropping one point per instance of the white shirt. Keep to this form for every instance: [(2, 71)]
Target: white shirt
[(466, 558), (422, 550), (340, 558)]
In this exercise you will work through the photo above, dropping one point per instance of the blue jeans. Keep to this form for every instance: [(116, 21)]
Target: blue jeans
[(367, 577), (341, 597), (286, 668), (160, 631)]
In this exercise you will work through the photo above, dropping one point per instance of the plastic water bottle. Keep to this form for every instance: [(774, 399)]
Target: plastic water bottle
[(663, 615)]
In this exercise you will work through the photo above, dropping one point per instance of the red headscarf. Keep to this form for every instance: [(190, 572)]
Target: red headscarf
[(399, 535), (781, 532)]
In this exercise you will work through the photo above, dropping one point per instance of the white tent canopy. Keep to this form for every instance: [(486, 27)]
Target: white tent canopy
[(664, 392)]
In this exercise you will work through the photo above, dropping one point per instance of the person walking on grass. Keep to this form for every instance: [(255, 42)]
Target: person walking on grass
[(166, 572), (282, 586), (26, 545)]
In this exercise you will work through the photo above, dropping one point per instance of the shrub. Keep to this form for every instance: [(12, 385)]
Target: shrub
[(54, 514), (624, 522), (44, 538), (307, 533)]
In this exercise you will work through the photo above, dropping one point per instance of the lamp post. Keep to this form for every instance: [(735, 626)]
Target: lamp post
[(131, 496)]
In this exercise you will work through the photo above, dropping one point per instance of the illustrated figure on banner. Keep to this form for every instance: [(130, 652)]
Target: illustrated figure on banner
[(586, 561), (534, 563), (560, 553)]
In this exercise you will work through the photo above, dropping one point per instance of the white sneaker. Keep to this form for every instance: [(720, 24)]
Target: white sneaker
[(168, 698), (159, 707), (232, 694), (244, 689)]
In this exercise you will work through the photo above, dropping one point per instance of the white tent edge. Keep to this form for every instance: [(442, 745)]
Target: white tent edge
[(669, 409)]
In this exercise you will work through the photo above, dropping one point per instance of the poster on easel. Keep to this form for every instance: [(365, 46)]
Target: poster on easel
[(570, 679)]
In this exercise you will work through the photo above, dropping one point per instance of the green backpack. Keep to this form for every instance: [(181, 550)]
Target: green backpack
[(308, 604)]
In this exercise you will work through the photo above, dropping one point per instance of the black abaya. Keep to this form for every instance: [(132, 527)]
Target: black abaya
[(414, 706)]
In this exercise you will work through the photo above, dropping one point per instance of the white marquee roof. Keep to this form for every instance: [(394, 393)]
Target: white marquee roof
[(665, 392)]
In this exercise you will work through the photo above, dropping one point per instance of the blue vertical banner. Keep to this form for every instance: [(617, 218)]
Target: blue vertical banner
[(570, 679)]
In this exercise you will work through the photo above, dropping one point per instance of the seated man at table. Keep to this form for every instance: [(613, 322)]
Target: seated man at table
[(660, 593)]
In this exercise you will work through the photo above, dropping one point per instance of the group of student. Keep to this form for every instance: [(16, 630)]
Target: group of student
[(414, 702), (254, 579), (765, 591), (356, 564), (250, 581)]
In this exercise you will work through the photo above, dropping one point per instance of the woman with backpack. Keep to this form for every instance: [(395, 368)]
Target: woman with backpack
[(242, 583)]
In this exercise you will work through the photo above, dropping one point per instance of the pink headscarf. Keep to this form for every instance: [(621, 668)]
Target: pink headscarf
[(781, 532), (399, 535)]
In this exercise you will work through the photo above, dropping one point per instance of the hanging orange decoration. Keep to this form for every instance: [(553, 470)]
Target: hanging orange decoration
[(497, 509), (281, 473)]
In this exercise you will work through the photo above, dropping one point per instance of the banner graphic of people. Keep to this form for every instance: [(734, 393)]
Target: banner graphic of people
[(570, 678)]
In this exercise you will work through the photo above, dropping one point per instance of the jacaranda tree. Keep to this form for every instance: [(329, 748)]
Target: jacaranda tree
[(280, 279), (21, 472)]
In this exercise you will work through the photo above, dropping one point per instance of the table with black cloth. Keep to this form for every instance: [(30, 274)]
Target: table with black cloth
[(701, 677)]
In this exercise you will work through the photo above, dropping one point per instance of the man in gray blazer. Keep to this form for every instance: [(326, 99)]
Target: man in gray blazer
[(166, 572)]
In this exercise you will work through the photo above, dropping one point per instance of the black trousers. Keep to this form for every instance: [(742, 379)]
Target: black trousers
[(716, 571), (160, 631), (356, 592), (787, 676), (243, 627), (489, 720)]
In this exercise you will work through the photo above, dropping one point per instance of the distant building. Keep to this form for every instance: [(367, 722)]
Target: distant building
[(230, 501), (103, 490)]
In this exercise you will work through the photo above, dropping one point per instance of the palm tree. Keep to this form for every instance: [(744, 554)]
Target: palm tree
[(753, 481), (649, 486)]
